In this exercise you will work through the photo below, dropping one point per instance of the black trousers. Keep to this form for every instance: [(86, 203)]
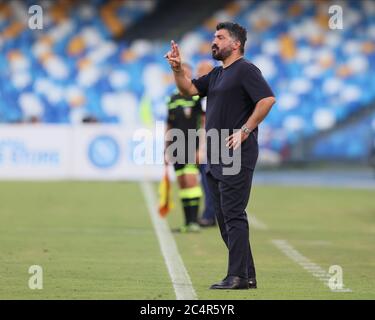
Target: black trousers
[(230, 198)]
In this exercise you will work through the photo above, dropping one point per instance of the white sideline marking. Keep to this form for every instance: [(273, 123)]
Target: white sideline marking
[(305, 263), (257, 224), (180, 278)]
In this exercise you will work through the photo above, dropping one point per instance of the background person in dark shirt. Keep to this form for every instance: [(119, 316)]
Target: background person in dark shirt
[(238, 97), (186, 113)]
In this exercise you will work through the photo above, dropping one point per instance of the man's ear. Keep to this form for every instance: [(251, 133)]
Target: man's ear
[(237, 44)]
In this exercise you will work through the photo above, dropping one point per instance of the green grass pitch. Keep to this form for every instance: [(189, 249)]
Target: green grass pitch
[(95, 240)]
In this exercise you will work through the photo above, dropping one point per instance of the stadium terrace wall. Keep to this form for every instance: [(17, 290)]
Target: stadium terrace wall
[(88, 152), (85, 152)]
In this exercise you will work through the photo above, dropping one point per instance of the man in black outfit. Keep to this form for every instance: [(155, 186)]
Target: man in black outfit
[(238, 99)]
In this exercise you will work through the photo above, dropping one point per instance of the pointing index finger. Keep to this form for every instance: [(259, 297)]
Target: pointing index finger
[(175, 47)]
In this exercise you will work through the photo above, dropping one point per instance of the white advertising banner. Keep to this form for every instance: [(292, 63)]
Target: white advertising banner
[(87, 152), (37, 152)]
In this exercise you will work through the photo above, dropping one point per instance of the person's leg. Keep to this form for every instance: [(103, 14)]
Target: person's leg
[(213, 185), (234, 199), (190, 192), (208, 216), (251, 274)]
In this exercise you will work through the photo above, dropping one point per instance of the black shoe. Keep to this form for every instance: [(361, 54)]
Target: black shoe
[(252, 284), (207, 222), (231, 283)]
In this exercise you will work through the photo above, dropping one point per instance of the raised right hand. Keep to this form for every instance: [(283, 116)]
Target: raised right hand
[(173, 57)]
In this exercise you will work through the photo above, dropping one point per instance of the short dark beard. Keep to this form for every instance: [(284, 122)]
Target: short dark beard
[(222, 54)]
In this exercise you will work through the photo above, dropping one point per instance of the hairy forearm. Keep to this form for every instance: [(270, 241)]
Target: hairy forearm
[(184, 84), (261, 110)]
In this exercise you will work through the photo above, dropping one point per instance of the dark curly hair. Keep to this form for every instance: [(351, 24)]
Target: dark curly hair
[(235, 31)]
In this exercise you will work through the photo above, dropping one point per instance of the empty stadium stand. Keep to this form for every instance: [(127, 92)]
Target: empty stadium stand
[(89, 61)]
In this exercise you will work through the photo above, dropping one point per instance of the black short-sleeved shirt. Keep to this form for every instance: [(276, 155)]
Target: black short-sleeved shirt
[(232, 94)]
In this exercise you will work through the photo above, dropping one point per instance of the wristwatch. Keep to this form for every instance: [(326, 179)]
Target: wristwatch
[(245, 129)]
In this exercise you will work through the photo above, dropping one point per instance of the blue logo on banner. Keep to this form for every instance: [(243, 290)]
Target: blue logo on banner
[(104, 152)]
